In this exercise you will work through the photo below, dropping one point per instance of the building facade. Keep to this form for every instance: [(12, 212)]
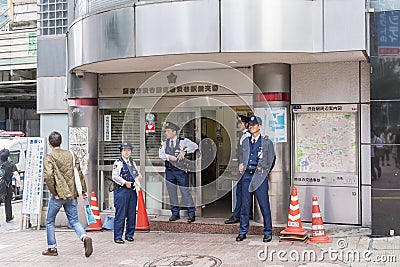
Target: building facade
[(118, 70), (18, 67)]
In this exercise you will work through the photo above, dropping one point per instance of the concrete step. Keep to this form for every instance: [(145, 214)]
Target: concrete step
[(204, 225), (217, 226)]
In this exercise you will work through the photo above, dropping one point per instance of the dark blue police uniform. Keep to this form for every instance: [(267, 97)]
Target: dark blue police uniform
[(257, 159), (125, 199), (175, 172)]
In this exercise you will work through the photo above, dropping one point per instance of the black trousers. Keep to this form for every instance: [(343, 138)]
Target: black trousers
[(7, 203)]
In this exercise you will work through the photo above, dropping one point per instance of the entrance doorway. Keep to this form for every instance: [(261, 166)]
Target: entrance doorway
[(215, 158)]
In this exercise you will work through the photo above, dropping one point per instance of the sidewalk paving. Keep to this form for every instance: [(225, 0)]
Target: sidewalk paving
[(23, 248)]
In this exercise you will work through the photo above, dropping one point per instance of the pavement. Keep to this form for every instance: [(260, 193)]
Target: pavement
[(350, 246)]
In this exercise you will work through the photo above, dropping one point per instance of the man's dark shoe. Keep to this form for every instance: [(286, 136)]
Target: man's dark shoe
[(174, 218), (12, 218), (267, 238), (241, 237), (232, 220), (191, 219), (87, 243), (130, 239), (119, 241), (50, 252)]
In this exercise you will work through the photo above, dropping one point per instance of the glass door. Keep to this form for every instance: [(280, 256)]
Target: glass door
[(157, 198)]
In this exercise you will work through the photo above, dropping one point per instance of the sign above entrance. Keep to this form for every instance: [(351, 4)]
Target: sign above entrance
[(178, 90)]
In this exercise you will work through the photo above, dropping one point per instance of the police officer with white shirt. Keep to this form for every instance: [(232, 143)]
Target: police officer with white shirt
[(257, 159), (124, 174), (173, 151), (242, 125)]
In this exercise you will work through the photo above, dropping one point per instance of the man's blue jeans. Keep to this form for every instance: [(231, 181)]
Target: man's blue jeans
[(70, 207)]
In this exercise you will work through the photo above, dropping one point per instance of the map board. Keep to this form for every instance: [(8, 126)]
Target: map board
[(325, 138), (33, 180)]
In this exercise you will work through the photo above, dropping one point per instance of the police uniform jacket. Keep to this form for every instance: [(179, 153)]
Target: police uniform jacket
[(262, 155), (178, 144), (243, 137), (124, 170)]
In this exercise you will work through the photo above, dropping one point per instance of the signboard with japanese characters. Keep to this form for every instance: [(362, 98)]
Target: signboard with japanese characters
[(33, 180), (388, 24), (79, 144), (107, 127)]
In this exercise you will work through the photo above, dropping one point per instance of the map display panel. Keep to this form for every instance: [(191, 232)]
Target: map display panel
[(326, 141)]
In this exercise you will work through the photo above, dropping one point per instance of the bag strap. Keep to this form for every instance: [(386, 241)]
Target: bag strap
[(73, 158)]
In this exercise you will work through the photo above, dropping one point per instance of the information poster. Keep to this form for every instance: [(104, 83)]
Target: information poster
[(274, 123), (33, 180), (78, 143)]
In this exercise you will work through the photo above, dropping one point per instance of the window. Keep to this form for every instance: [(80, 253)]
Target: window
[(53, 17)]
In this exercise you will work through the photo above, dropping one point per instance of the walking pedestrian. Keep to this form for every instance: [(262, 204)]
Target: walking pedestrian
[(10, 170), (58, 173)]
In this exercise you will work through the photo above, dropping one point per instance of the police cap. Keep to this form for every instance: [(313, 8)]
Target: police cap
[(243, 119), (125, 144), (255, 120), (172, 126)]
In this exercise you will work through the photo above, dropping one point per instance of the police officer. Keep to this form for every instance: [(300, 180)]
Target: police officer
[(242, 125), (173, 151), (10, 170), (125, 197), (257, 159)]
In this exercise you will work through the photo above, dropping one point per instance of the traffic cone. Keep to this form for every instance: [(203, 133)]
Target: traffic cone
[(318, 234), (142, 221), (294, 229), (95, 209)]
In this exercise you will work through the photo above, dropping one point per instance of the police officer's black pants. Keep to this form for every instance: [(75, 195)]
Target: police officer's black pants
[(174, 178), (125, 200)]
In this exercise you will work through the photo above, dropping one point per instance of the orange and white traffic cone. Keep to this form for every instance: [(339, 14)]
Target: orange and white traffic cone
[(294, 229), (95, 209), (318, 234), (142, 221)]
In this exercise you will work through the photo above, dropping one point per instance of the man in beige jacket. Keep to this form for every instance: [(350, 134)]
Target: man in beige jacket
[(58, 173)]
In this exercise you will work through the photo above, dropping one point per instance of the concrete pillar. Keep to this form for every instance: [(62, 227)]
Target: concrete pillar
[(83, 112), (273, 82)]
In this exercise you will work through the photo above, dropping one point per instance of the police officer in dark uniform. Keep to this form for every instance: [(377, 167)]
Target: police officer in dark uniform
[(10, 170), (173, 151), (242, 126), (125, 197), (258, 156)]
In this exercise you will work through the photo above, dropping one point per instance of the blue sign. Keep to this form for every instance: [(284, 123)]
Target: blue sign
[(388, 24)]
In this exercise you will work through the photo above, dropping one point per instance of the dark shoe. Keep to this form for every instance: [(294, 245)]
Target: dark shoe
[(191, 219), (241, 237), (174, 218), (12, 218), (232, 220), (119, 241), (50, 252), (267, 238), (130, 239), (87, 243)]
